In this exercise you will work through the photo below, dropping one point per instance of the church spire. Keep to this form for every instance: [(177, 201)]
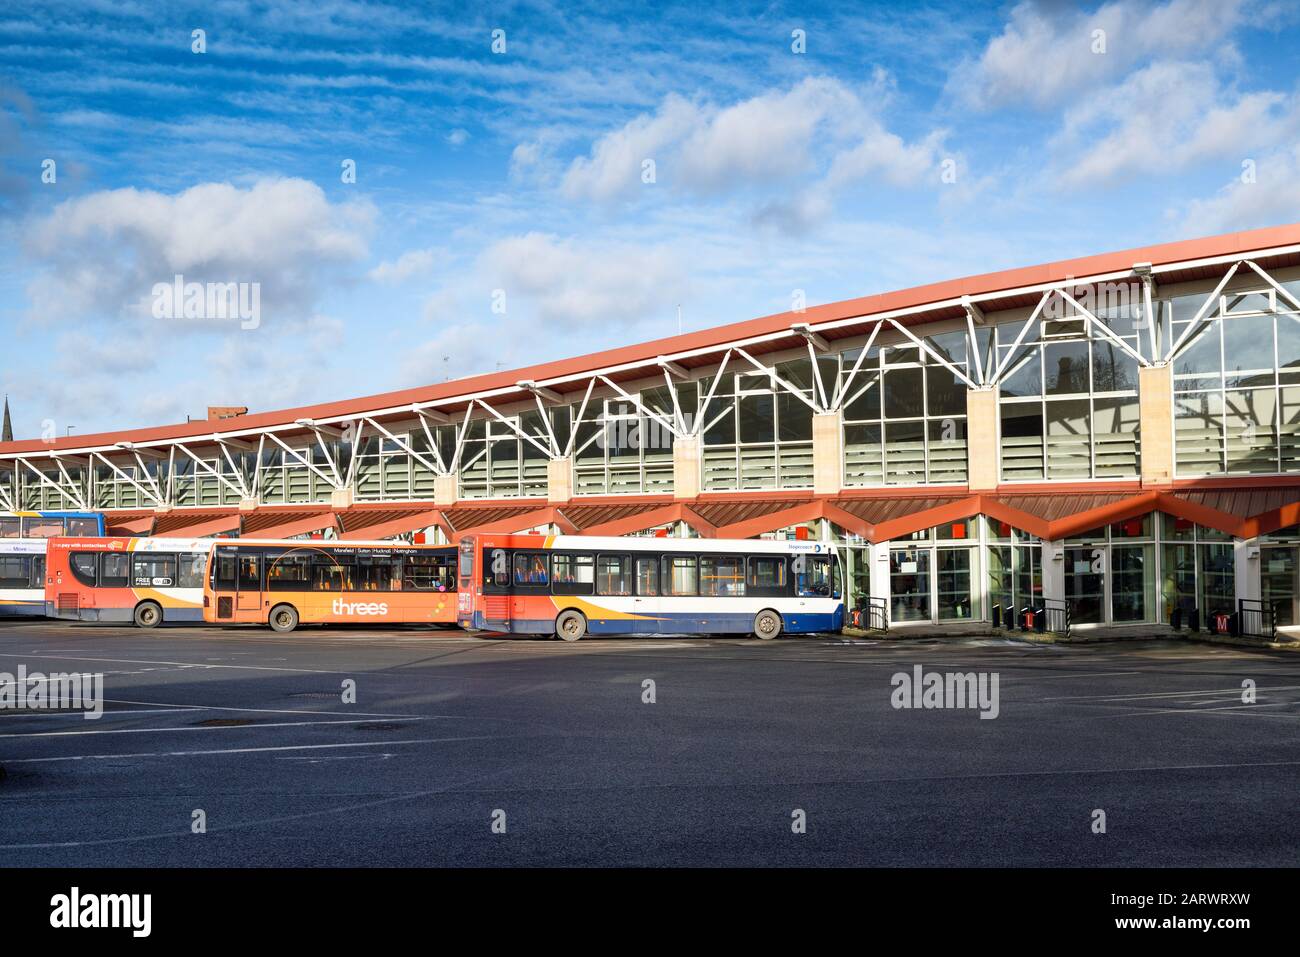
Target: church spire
[(7, 430)]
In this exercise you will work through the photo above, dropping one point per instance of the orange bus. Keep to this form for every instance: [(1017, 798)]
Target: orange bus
[(148, 581), (287, 583)]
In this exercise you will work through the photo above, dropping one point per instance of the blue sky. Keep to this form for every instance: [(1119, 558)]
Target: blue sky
[(906, 144)]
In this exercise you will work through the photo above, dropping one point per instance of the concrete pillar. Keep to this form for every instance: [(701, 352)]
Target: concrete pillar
[(686, 467), (1247, 567), (828, 453), (248, 504), (879, 558), (982, 472), (559, 479), (1156, 422), (444, 489), (1054, 570), (341, 498)]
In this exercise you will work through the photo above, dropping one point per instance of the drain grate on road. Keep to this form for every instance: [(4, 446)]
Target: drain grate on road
[(378, 726), (316, 694)]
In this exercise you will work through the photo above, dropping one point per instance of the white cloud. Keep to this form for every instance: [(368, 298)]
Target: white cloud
[(575, 283), (1272, 198), (613, 171), (100, 255), (769, 137), (810, 141), (458, 137), (413, 263), (1164, 118), (1045, 54)]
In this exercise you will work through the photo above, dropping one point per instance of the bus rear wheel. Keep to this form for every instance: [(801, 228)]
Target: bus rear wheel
[(767, 624), (570, 626), (284, 618), (148, 615)]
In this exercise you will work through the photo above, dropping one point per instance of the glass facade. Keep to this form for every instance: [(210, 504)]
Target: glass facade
[(757, 434), (1068, 403), (905, 414), (1236, 385)]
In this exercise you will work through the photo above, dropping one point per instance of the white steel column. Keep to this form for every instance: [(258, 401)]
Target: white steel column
[(1248, 567), (1054, 570)]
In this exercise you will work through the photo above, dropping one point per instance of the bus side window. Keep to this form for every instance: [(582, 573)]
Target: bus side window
[(190, 572), (530, 569), (153, 570), (38, 571), (83, 567), (224, 572), (722, 576), (614, 575), (647, 576), (767, 575), (11, 527), (680, 575), (572, 574), (287, 573), (250, 572), (82, 526), (814, 579), (114, 570), (15, 571)]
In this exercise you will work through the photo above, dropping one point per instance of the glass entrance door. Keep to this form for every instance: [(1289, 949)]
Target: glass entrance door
[(1085, 583), (1130, 583), (955, 599), (909, 584)]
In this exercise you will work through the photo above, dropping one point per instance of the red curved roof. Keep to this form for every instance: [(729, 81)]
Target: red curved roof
[(717, 336)]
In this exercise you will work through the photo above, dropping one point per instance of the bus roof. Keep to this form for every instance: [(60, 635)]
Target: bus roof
[(323, 543), (128, 543), (591, 543)]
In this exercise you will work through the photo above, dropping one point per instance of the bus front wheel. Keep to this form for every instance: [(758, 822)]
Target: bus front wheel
[(570, 626), (148, 615), (767, 624), (284, 618)]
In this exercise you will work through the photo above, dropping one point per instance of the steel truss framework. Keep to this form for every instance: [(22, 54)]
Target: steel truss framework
[(235, 464)]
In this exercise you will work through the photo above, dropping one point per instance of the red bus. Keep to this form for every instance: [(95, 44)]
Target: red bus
[(287, 583), (148, 581)]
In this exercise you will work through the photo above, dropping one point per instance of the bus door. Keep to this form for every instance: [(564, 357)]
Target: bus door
[(645, 594), (497, 597), (248, 574)]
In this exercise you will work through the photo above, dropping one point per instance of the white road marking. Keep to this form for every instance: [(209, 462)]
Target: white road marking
[(213, 707), (1168, 694), (287, 747), (180, 664), (215, 727)]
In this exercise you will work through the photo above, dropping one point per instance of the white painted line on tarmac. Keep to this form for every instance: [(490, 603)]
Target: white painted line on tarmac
[(213, 707), (183, 664), (1169, 694), (287, 747), (78, 712), (191, 727)]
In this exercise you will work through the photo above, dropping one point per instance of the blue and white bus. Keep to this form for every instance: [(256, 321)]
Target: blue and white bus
[(22, 577), (50, 524), (575, 585)]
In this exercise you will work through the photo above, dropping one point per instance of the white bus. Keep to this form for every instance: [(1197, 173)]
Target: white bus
[(22, 577), (574, 585)]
